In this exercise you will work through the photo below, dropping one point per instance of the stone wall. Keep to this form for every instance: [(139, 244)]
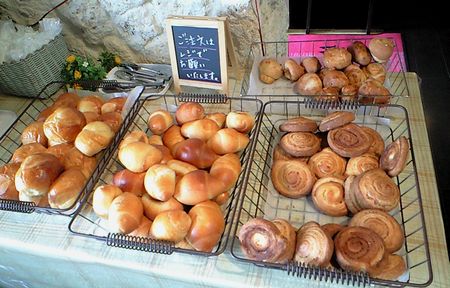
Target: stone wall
[(136, 28)]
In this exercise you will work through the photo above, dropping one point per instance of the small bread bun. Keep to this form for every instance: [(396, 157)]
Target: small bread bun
[(66, 189), (171, 225), (189, 111), (75, 159), (34, 133), (376, 72), (166, 154), (94, 137), (172, 137), (308, 84), (134, 136), (125, 213), (144, 228), (180, 167), (202, 129), (218, 117), (227, 169), (240, 121), (91, 103), (381, 49), (195, 152), (336, 79), (292, 70), (103, 197), (60, 150), (269, 70), (138, 156), (7, 186), (311, 64), (349, 92), (63, 125), (26, 150), (67, 100), (159, 182), (375, 92), (155, 140), (360, 53), (130, 182), (113, 105), (113, 119), (153, 207), (355, 75), (198, 186), (91, 116), (159, 121), (228, 140), (337, 58)]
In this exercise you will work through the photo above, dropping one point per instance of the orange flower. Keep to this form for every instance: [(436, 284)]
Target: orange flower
[(77, 74), (70, 58), (77, 86), (117, 60)]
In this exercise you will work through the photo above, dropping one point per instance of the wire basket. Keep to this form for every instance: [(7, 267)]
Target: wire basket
[(11, 140), (251, 85), (37, 70), (87, 224), (260, 199)]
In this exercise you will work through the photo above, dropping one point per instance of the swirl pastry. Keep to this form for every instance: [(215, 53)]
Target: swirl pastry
[(300, 144), (292, 178), (280, 154), (332, 229), (328, 196), (327, 163), (391, 267), (288, 232), (349, 140), (349, 195), (358, 249), (313, 246), (377, 141), (261, 240), (393, 159), (360, 164), (383, 224), (299, 124), (335, 120)]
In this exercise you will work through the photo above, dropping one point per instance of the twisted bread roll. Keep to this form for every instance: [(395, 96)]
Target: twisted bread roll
[(153, 207), (159, 182), (198, 186), (139, 156), (103, 197), (269, 70), (143, 229), (280, 154), (63, 125), (218, 117), (327, 163), (189, 111), (391, 267), (129, 181), (328, 196), (240, 121), (377, 141), (171, 226), (155, 140), (134, 136), (195, 152), (34, 133), (227, 169), (113, 105), (383, 224), (292, 178), (8, 189), (92, 103), (113, 119), (207, 226), (166, 154), (393, 159), (335, 120), (75, 159), (349, 140), (125, 213), (292, 70), (360, 164), (26, 150), (180, 167), (172, 137), (288, 232), (228, 140), (159, 121), (298, 124), (60, 150), (300, 144), (202, 129), (314, 246), (66, 189), (67, 100), (94, 137)]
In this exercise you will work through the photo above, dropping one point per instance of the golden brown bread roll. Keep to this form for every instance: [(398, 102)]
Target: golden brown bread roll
[(159, 121), (328, 94), (198, 186), (143, 229), (292, 178), (103, 197), (167, 155), (67, 100), (92, 103), (60, 150), (26, 150), (376, 72), (381, 49), (288, 232), (328, 196), (207, 226), (240, 121), (393, 159), (222, 198), (66, 189), (373, 92), (218, 117), (202, 129), (195, 152), (337, 58), (155, 140), (300, 144), (355, 75), (311, 64), (349, 92), (360, 164), (37, 173), (134, 136), (125, 213), (171, 226), (269, 70), (159, 182), (46, 112), (91, 116), (349, 140), (113, 119), (189, 111), (292, 70), (327, 163), (360, 53), (313, 246), (139, 156), (113, 105), (228, 140), (172, 137), (75, 159), (180, 167), (94, 137), (227, 169), (308, 84), (8, 189), (336, 79), (129, 181), (63, 125), (153, 207), (34, 133)]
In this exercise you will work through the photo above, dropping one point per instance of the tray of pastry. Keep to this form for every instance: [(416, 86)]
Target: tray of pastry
[(53, 152), (173, 181), (367, 70), (332, 194)]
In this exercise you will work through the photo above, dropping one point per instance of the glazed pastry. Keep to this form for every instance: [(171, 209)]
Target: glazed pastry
[(60, 150), (300, 144), (34, 133), (381, 49), (335, 120), (391, 267), (288, 231), (63, 125), (377, 146), (328, 196), (280, 154), (292, 178), (328, 94), (358, 249), (383, 224), (327, 163), (195, 152), (228, 140), (299, 124), (332, 229), (360, 164), (349, 92), (349, 140), (171, 225), (360, 53), (336, 79), (261, 240), (155, 140), (172, 136), (75, 159), (314, 246), (393, 159)]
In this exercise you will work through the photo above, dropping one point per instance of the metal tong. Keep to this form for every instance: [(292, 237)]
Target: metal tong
[(145, 71)]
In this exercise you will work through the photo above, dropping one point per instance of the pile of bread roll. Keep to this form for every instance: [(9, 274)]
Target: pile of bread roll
[(351, 177), (346, 73), (175, 180), (56, 157)]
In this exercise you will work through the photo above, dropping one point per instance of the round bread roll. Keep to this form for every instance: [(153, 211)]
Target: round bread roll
[(103, 197), (125, 213), (360, 53), (75, 159), (228, 140), (63, 125), (139, 156), (159, 121), (113, 105), (227, 169), (328, 196), (335, 78), (134, 136), (355, 75), (360, 164), (240, 121), (308, 84), (144, 228), (381, 49), (34, 133), (155, 140), (172, 137), (348, 140), (377, 141), (349, 92), (8, 189), (66, 189), (189, 111), (311, 64), (198, 186), (60, 150), (375, 71), (37, 173), (91, 116), (94, 137), (313, 245), (180, 167), (67, 100), (167, 156), (337, 58), (391, 267), (374, 92), (153, 207), (92, 103), (300, 144), (26, 150), (269, 70), (292, 70), (207, 226), (327, 163), (113, 119), (159, 182), (129, 181), (195, 152), (292, 178), (218, 117), (202, 129), (171, 225)]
